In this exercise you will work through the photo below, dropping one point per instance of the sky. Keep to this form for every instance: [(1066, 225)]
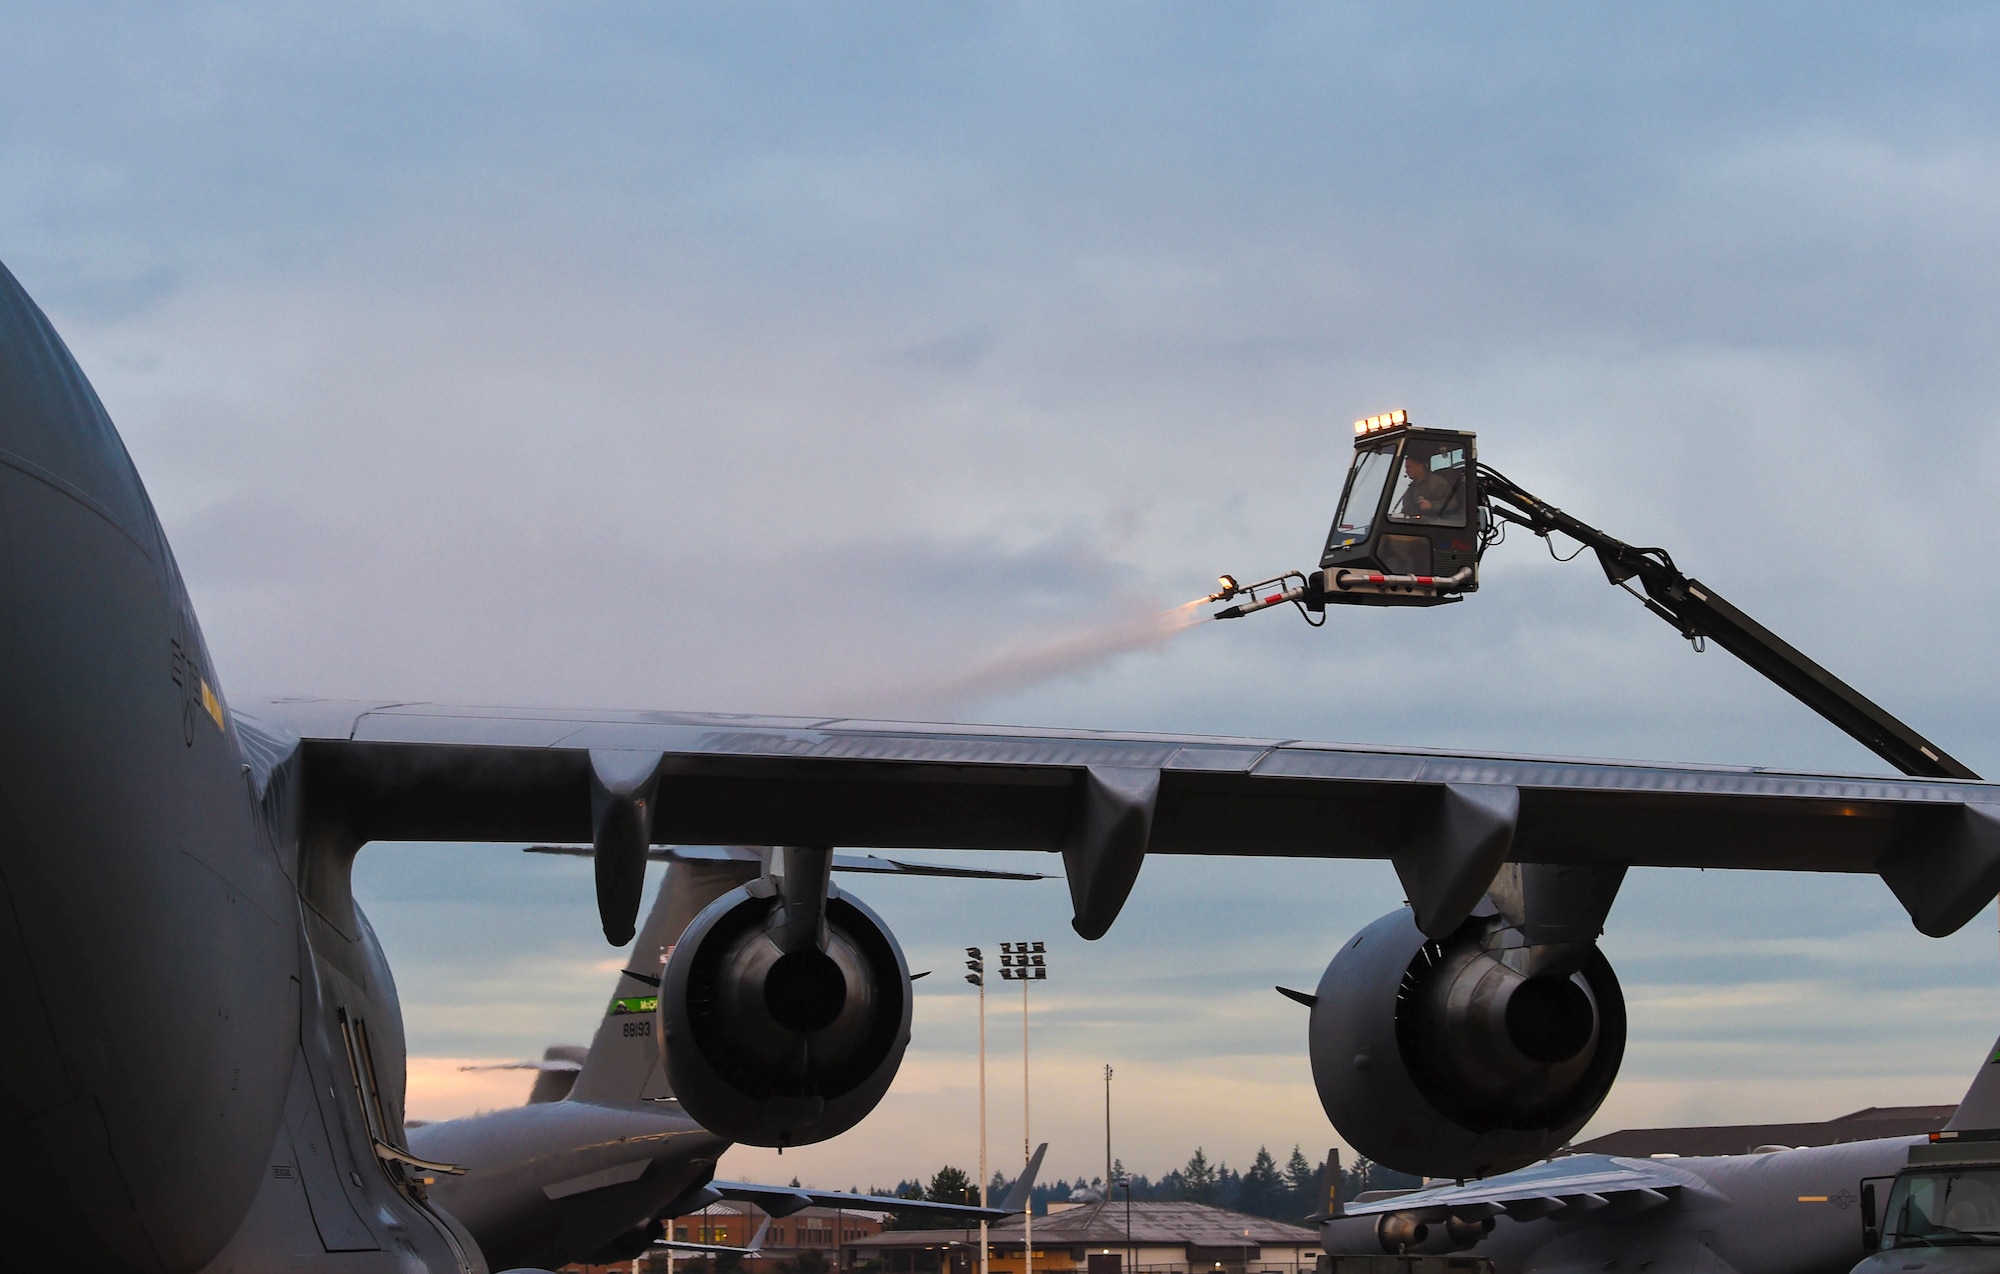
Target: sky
[(904, 360)]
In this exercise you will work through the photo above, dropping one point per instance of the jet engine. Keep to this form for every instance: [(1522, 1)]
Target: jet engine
[(784, 1011), (1466, 1056)]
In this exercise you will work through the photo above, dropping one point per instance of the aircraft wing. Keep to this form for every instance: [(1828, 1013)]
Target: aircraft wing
[(1575, 1184), (784, 1200), (711, 1249), (414, 771)]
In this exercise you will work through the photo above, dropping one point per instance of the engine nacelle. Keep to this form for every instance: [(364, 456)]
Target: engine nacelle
[(774, 1049), (1439, 1058)]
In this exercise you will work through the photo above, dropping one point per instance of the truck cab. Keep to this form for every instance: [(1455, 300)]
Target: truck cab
[(1408, 510), (1942, 1211)]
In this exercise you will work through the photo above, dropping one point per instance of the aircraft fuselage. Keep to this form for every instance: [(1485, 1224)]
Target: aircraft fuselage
[(176, 1078)]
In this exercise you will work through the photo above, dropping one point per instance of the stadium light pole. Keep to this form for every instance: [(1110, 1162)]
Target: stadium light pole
[(1025, 962), (975, 962)]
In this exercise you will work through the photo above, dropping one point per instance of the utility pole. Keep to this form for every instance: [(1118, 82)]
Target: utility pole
[(976, 962), (1130, 1264), (1025, 962)]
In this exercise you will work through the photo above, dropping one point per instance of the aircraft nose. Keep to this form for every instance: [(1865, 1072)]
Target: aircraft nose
[(52, 426)]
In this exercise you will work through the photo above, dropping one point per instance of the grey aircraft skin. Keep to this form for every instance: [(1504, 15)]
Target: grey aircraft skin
[(204, 1062), (182, 996), (1780, 1212), (584, 1177)]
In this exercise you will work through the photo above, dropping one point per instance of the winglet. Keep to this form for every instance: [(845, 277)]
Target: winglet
[(757, 1239), (1306, 998), (1023, 1193)]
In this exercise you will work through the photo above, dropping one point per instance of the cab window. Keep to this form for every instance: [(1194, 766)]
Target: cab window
[(1365, 479), (1430, 484)]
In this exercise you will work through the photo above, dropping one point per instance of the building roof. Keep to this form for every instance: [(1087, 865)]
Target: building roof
[(1737, 1139), (1103, 1225)]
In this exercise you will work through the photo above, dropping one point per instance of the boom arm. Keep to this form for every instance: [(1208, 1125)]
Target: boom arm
[(1701, 613)]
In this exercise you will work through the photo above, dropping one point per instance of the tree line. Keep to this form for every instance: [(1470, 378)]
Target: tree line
[(1288, 1192)]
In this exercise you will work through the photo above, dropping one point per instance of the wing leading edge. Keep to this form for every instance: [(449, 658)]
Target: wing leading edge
[(1104, 800)]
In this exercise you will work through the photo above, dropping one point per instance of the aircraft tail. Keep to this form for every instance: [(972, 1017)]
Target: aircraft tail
[(624, 1060), (1330, 1203), (1980, 1107), (556, 1074), (1024, 1190)]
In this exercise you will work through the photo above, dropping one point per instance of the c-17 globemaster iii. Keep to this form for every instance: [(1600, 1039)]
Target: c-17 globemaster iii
[(1809, 1210), (591, 1177), (204, 1064)]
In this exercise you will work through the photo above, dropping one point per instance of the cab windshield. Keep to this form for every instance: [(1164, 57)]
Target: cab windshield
[(1365, 480), (1945, 1208)]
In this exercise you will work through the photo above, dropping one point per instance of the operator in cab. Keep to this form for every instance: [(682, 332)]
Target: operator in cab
[(1425, 494)]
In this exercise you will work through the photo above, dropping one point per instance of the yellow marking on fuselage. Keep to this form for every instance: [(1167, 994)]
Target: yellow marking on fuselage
[(210, 702), (1812, 1198)]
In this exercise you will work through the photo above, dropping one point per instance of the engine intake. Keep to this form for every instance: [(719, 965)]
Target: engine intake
[(775, 1047), (1442, 1058)]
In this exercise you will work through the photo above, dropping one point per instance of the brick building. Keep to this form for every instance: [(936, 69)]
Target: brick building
[(825, 1231)]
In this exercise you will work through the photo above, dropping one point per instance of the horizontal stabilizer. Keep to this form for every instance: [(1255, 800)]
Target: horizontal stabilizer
[(756, 1243), (555, 1065)]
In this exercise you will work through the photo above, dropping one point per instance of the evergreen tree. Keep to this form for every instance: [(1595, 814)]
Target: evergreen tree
[(1301, 1184), (952, 1185), (1198, 1178), (1369, 1175), (1261, 1191), (1228, 1185)]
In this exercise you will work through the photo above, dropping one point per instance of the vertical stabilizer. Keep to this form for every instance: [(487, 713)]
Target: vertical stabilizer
[(1330, 1202), (1022, 1195), (1980, 1107), (557, 1073), (624, 1060)]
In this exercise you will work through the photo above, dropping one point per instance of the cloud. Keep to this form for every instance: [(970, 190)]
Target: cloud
[(897, 359)]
